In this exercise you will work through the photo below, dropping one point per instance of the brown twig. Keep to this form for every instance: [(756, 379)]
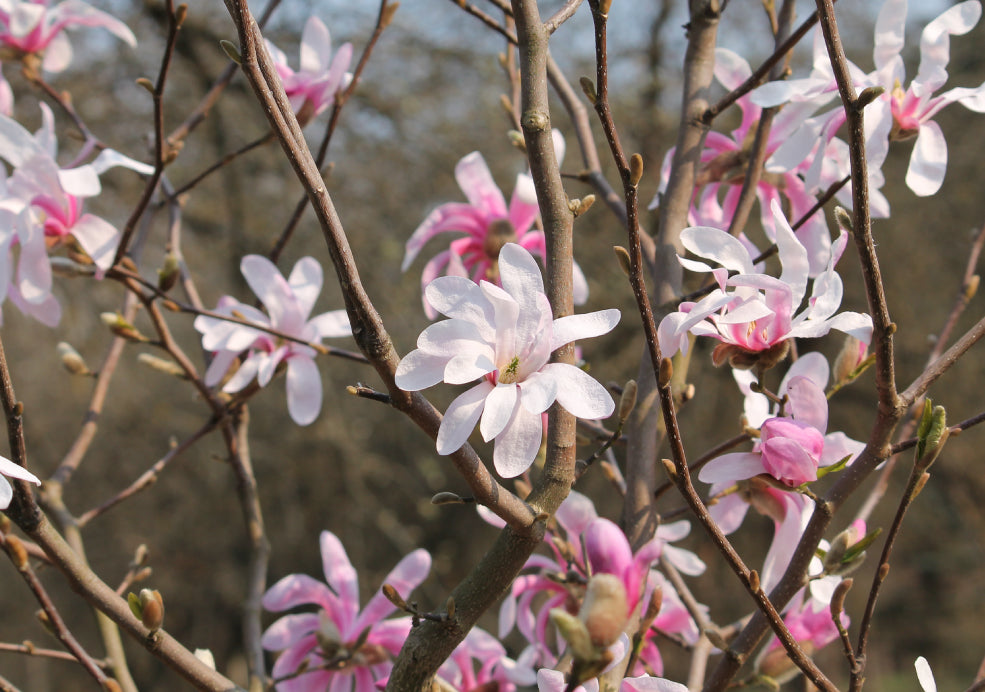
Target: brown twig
[(161, 151)]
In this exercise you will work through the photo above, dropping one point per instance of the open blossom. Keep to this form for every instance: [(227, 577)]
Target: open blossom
[(31, 26), (753, 314), (504, 337), (901, 113), (563, 578), (312, 87), (344, 649), (724, 161), (288, 302), (9, 468), (488, 224), (43, 206)]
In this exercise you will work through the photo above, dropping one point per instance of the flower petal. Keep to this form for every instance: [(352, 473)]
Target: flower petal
[(460, 418), (517, 446), (304, 393), (579, 393)]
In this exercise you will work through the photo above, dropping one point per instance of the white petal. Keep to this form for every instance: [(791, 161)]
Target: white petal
[(499, 407), (715, 244), (575, 327), (928, 162), (9, 468), (925, 675), (419, 370), (732, 467), (579, 393), (461, 417), (303, 390), (519, 272), (538, 392), (517, 446)]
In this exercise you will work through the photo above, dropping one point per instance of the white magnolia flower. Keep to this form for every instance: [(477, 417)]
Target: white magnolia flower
[(289, 303), (504, 336)]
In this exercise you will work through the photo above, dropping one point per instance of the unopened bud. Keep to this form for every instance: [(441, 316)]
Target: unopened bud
[(46, 622), (162, 365), (121, 327), (622, 255), (932, 433), (450, 607), (666, 372), (868, 95), (394, 596), (506, 105), (388, 12), (151, 609), (670, 469), (584, 204), (604, 610), (516, 139), (167, 275), (146, 84), (71, 359), (17, 552), (604, 6), (838, 599), (635, 169), (850, 357), (573, 631), (231, 51), (627, 402), (844, 219), (447, 498), (588, 86), (753, 580)]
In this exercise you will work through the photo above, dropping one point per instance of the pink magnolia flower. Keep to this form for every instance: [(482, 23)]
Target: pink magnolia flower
[(791, 448), (338, 647), (311, 89), (32, 26), (811, 624), (752, 313), (288, 302), (504, 336), (553, 681), (480, 663), (563, 577), (724, 161), (487, 224), (9, 468)]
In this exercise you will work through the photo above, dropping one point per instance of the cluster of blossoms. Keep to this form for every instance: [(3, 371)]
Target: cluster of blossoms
[(41, 207), (582, 545), (504, 337), (289, 303), (312, 87)]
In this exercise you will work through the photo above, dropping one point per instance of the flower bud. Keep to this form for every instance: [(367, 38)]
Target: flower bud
[(622, 255), (121, 327), (16, 550), (148, 607), (231, 51), (168, 274), (627, 402), (573, 631), (71, 360), (588, 86), (604, 610), (932, 433), (851, 356), (635, 169)]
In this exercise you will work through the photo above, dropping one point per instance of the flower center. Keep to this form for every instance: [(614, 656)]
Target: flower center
[(499, 233), (508, 374)]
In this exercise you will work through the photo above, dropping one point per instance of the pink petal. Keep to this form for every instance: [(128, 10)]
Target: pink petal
[(477, 183), (405, 577), (306, 282), (341, 576), (288, 630), (297, 589)]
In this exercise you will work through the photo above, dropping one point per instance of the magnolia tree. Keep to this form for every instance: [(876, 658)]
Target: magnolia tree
[(584, 601)]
